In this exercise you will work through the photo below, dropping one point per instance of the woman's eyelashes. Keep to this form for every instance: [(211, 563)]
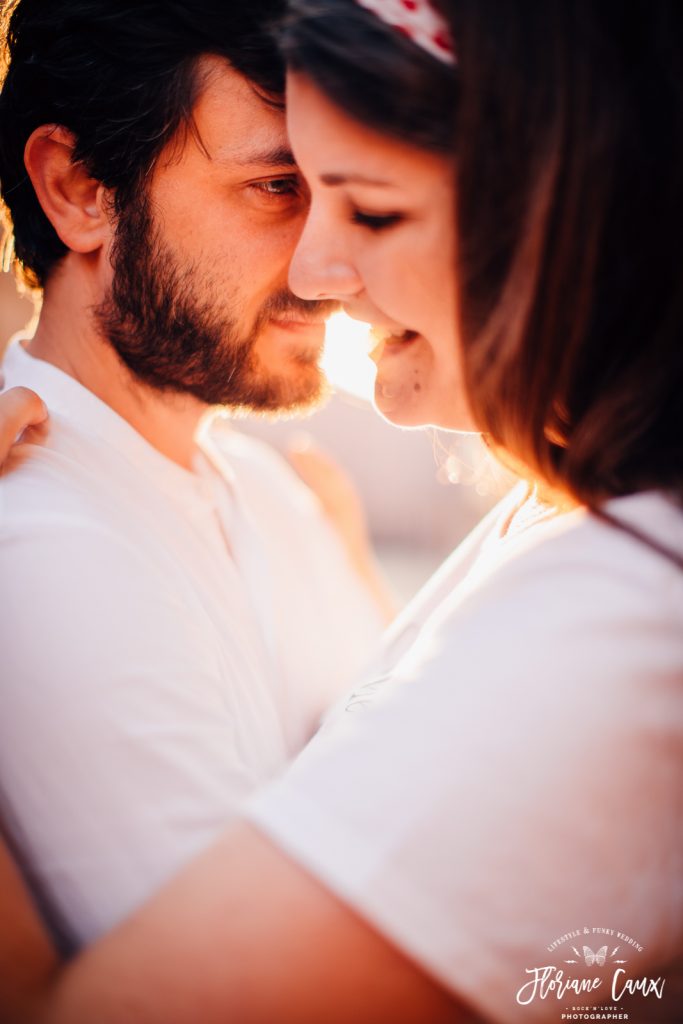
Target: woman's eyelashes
[(376, 221)]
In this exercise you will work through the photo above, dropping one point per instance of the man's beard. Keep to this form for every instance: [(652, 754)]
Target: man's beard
[(177, 343)]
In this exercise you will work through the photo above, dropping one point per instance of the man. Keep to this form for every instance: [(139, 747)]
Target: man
[(181, 614)]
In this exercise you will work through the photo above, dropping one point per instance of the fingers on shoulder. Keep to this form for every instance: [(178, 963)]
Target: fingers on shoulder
[(19, 408)]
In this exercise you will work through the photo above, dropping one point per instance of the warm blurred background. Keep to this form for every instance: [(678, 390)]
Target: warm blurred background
[(423, 490)]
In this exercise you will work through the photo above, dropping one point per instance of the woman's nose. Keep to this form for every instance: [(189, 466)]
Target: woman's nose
[(320, 268)]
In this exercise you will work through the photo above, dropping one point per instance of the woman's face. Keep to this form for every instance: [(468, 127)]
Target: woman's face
[(380, 237)]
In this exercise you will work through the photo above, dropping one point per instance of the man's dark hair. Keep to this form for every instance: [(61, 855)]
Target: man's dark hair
[(121, 75)]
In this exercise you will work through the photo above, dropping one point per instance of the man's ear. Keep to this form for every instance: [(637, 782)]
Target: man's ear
[(73, 202)]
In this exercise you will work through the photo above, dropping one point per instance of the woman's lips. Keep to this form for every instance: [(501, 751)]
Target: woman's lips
[(389, 340)]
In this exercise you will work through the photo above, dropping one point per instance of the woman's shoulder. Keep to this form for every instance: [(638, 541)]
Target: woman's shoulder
[(572, 599), (630, 554)]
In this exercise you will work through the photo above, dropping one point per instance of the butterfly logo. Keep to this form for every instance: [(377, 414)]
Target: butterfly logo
[(599, 958)]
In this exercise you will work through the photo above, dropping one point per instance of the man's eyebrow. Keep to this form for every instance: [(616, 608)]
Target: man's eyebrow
[(280, 157), (351, 179)]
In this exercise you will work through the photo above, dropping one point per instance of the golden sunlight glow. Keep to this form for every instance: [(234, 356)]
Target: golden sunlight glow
[(345, 359)]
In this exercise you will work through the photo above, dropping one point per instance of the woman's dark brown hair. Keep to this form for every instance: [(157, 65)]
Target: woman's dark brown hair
[(570, 224), (567, 120)]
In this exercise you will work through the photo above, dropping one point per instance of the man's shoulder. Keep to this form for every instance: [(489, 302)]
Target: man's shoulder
[(61, 475), (76, 547), (68, 504), (53, 471), (60, 442)]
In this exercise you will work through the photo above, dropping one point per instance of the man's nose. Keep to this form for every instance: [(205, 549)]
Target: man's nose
[(320, 267)]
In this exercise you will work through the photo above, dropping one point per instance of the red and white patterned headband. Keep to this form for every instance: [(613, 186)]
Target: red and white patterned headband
[(419, 21)]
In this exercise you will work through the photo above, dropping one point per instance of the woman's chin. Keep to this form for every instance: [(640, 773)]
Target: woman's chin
[(406, 405), (399, 405), (413, 390)]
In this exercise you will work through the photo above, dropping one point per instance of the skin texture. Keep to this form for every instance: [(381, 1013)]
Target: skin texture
[(380, 237)]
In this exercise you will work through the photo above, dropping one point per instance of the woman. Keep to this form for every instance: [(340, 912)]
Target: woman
[(492, 822)]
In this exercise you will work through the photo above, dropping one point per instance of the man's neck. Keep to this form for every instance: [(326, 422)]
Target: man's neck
[(68, 338)]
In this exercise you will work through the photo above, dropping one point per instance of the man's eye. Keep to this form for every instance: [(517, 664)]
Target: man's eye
[(277, 187), (376, 221)]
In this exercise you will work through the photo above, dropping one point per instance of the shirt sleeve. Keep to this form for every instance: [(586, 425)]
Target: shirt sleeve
[(117, 755), (515, 788)]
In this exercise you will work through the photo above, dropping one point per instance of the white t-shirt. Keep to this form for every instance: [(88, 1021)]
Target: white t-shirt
[(507, 787), (169, 640)]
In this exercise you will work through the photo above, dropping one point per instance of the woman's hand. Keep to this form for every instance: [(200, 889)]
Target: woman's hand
[(19, 408)]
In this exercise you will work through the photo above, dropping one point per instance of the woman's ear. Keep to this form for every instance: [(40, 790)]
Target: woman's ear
[(73, 202)]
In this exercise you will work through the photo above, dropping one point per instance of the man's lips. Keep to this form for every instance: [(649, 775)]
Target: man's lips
[(298, 322)]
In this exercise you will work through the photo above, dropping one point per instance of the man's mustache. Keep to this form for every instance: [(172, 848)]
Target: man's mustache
[(307, 309)]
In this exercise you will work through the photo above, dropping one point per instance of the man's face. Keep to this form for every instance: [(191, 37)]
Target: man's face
[(199, 301)]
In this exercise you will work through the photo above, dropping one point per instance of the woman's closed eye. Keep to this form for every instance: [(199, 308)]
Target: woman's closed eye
[(376, 221)]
